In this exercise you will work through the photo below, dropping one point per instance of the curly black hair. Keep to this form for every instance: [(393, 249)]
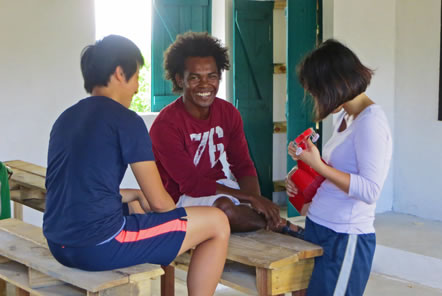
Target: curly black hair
[(193, 44)]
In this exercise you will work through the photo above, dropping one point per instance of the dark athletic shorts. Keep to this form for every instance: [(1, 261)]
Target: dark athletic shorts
[(148, 238), (345, 266)]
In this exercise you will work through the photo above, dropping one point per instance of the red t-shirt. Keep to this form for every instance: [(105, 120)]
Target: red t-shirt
[(187, 150)]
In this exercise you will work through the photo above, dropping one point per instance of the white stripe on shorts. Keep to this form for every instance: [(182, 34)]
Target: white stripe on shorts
[(347, 264)]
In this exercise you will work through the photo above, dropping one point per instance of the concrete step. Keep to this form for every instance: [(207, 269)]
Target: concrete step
[(379, 285), (409, 248)]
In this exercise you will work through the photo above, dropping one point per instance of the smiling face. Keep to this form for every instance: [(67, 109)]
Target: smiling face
[(200, 85)]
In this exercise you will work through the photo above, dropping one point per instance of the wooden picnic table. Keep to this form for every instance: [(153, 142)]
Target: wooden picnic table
[(258, 263)]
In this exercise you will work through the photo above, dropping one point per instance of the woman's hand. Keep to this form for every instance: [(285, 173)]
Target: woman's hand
[(310, 155), (290, 187)]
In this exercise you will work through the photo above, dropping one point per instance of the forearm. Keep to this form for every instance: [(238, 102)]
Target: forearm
[(249, 189), (128, 195), (337, 177), (151, 186)]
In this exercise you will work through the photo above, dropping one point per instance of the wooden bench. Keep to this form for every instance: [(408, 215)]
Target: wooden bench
[(258, 263), (265, 263), (26, 262)]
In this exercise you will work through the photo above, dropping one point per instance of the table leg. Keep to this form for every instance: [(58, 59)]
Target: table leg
[(168, 281), (300, 293), (18, 211), (2, 288), (21, 292)]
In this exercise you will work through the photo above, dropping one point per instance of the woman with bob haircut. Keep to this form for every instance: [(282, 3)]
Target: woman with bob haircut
[(357, 159)]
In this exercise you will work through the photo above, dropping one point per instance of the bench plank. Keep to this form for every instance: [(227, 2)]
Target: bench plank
[(303, 248), (251, 252), (27, 167)]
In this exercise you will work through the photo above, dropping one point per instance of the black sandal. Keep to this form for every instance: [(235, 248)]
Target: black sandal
[(298, 233)]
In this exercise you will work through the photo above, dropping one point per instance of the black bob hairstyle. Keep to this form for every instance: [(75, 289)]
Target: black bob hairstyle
[(193, 44), (333, 75), (99, 61)]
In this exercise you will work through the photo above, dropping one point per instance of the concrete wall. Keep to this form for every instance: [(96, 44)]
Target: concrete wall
[(40, 74), (418, 133), (369, 29)]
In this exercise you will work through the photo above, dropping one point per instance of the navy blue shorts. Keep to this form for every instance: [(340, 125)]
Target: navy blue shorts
[(148, 238), (345, 266)]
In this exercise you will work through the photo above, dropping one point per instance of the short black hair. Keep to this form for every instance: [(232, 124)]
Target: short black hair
[(193, 44), (333, 75), (99, 61)]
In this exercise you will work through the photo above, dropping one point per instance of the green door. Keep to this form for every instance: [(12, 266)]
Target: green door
[(170, 18), (303, 23), (253, 82)]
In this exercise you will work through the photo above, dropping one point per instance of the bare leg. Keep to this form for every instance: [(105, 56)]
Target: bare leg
[(242, 218), (208, 230)]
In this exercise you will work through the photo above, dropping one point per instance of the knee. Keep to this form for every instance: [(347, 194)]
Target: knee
[(227, 206), (220, 223)]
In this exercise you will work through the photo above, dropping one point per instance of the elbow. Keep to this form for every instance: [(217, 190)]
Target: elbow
[(163, 207), (365, 190), (373, 193)]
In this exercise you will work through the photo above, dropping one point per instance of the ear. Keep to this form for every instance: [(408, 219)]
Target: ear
[(179, 80), (119, 74)]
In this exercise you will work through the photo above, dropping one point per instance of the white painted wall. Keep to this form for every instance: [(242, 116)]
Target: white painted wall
[(40, 73), (40, 77), (418, 134), (369, 29)]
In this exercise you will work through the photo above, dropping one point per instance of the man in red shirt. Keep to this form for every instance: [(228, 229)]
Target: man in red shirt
[(190, 136)]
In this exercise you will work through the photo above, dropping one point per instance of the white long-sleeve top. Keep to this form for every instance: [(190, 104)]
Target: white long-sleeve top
[(364, 151)]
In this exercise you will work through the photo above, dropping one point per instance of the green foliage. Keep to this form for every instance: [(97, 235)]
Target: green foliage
[(141, 101)]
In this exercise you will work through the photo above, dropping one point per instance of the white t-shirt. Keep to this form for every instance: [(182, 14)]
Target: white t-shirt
[(364, 151)]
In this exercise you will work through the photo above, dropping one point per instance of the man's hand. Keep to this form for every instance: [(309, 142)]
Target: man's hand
[(267, 208)]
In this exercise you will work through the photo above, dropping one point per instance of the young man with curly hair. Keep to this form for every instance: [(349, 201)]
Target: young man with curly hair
[(190, 135)]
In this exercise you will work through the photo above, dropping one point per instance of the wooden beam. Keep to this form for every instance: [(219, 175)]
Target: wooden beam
[(279, 127), (2, 288), (39, 280), (263, 283), (279, 186), (279, 69), (21, 292), (280, 4), (18, 211)]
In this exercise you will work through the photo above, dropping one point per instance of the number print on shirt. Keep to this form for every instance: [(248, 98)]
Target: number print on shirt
[(207, 137)]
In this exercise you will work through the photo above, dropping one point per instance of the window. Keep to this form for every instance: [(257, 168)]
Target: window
[(170, 18), (156, 20), (131, 19)]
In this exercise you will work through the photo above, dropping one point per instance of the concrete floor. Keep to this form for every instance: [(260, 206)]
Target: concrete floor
[(378, 285), (409, 233)]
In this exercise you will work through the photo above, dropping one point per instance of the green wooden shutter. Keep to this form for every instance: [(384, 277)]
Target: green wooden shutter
[(253, 82), (303, 19), (170, 18)]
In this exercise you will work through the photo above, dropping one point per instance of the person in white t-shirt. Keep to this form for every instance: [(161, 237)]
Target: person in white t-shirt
[(357, 159)]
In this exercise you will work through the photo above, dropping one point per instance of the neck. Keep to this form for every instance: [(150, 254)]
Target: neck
[(201, 113), (106, 91), (357, 105)]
